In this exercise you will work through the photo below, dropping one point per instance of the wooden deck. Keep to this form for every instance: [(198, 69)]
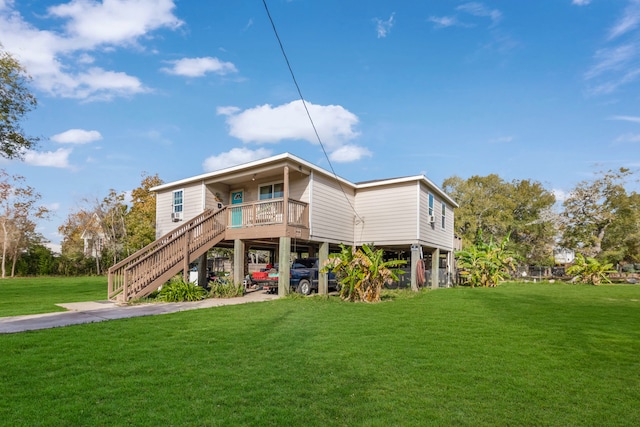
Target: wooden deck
[(149, 268)]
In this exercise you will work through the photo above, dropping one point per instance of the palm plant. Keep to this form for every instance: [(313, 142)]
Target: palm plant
[(362, 273), (486, 264), (590, 270)]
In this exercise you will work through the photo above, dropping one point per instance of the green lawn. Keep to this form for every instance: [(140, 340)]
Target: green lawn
[(519, 354), (33, 295)]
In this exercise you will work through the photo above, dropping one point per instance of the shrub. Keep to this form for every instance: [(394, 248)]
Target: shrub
[(222, 288), (361, 274), (486, 264), (176, 290), (590, 270)]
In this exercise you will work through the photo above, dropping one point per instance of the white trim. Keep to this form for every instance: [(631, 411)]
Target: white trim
[(418, 222), (247, 167), (273, 191), (174, 214), (203, 196), (311, 181)]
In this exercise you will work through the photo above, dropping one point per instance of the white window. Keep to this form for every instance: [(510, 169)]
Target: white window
[(177, 202), (271, 191), (444, 211), (430, 205)]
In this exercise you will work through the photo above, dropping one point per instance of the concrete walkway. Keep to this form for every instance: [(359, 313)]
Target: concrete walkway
[(99, 311)]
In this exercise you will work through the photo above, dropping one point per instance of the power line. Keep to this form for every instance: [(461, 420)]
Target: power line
[(304, 104)]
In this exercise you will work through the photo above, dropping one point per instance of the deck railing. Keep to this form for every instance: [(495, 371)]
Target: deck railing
[(147, 269), (267, 212)]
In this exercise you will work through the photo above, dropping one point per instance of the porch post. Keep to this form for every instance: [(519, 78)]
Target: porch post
[(185, 259), (415, 258), (323, 278), (285, 199), (449, 270), (238, 261), (284, 262), (435, 268), (202, 270)]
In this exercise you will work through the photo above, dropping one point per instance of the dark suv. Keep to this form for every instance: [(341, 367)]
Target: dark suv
[(304, 276)]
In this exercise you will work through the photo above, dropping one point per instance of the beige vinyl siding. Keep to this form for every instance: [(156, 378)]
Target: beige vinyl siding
[(299, 187), (163, 213), (434, 235), (210, 195), (192, 206), (390, 214), (331, 214)]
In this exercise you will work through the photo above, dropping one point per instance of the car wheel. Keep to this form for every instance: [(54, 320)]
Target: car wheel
[(304, 287)]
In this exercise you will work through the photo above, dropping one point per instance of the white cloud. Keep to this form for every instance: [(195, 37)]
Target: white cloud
[(198, 67), (349, 153), (235, 156), (77, 136), (56, 159), (561, 195), (114, 22), (614, 67), (628, 137), (611, 59), (267, 124), (580, 2), (634, 119), (479, 9), (502, 139), (445, 21), (227, 111), (628, 22), (383, 27), (58, 60)]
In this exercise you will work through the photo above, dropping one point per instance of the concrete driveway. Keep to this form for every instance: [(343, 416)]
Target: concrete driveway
[(99, 311)]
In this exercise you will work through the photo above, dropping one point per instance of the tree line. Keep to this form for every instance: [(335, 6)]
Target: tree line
[(600, 218)]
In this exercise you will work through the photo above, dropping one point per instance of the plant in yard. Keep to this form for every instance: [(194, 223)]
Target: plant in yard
[(223, 288), (362, 273), (590, 270), (177, 290), (486, 264)]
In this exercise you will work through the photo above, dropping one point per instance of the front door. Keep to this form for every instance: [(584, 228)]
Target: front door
[(236, 212)]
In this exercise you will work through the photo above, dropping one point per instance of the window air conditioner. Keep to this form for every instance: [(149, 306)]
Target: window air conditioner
[(176, 216), (432, 219)]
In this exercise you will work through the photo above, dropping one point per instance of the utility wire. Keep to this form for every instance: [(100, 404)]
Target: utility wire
[(304, 103)]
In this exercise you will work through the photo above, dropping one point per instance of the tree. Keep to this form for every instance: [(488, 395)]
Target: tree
[(111, 213), (141, 218), (362, 273), (18, 212), (592, 207), (621, 242), (490, 206), (15, 102), (533, 226)]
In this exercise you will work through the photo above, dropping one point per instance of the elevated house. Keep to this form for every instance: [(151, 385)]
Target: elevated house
[(286, 205)]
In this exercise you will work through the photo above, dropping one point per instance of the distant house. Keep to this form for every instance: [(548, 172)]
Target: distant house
[(93, 237), (563, 256), (284, 204)]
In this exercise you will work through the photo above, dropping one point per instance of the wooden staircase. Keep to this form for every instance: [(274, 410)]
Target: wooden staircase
[(150, 267)]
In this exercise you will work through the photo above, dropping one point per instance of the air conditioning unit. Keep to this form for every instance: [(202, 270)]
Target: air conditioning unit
[(432, 219), (176, 216)]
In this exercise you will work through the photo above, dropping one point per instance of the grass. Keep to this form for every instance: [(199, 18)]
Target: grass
[(519, 354), (34, 295)]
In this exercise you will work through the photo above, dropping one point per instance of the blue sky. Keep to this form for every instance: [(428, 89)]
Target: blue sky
[(544, 90)]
